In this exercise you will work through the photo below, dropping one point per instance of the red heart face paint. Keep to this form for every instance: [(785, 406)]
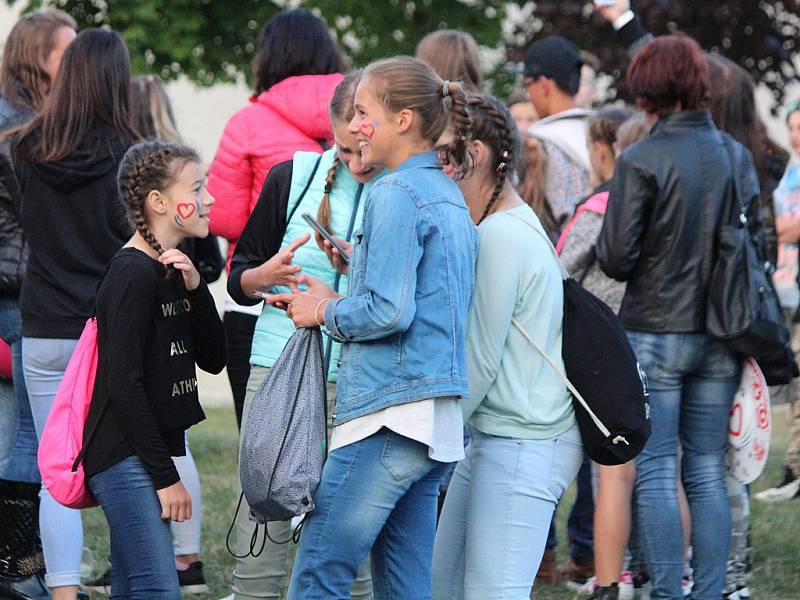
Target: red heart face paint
[(368, 129), (185, 210)]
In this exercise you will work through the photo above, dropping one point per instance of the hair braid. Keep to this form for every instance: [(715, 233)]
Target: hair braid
[(495, 128), (146, 167), (324, 210), (457, 152)]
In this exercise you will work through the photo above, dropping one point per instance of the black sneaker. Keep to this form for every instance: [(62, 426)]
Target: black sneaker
[(192, 580), (609, 592), (101, 584)]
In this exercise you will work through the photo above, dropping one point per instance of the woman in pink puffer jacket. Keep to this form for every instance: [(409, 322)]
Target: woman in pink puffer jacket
[(296, 68)]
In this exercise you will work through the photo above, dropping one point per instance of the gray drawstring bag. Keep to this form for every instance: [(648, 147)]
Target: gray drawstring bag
[(283, 439)]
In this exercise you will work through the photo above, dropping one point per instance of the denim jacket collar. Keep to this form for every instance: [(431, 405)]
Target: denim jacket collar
[(423, 159)]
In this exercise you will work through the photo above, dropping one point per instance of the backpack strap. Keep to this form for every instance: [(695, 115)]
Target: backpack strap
[(598, 423), (305, 189), (573, 390)]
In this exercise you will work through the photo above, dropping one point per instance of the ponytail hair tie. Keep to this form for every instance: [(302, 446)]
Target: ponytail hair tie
[(445, 88)]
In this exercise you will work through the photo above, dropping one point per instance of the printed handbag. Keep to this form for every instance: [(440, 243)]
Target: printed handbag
[(743, 310), (608, 386), (62, 446)]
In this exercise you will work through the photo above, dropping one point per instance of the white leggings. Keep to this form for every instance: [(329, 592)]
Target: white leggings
[(186, 535)]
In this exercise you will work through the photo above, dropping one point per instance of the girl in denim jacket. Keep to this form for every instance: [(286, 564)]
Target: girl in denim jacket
[(397, 424)]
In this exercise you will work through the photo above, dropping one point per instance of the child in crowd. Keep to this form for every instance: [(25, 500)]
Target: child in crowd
[(525, 447), (612, 515), (398, 422), (151, 112), (155, 319), (270, 253)]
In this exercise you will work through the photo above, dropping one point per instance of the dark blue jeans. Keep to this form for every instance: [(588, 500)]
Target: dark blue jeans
[(22, 466), (142, 560), (580, 525), (693, 379)]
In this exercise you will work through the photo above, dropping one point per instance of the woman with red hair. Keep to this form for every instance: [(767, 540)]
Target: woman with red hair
[(667, 199)]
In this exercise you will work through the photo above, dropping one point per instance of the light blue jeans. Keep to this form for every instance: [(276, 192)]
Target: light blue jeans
[(377, 496), (142, 562), (496, 516), (44, 362), (18, 426), (693, 379)]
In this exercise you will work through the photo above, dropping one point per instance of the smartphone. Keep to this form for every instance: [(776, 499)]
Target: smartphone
[(326, 235), (605, 2)]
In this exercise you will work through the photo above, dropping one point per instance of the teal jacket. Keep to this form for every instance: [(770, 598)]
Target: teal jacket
[(305, 189)]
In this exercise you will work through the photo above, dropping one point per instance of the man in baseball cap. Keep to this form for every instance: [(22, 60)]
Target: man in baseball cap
[(552, 74)]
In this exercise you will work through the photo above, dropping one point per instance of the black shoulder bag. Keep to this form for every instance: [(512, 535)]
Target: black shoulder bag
[(743, 309)]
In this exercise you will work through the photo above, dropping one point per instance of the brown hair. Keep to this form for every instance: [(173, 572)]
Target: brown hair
[(604, 124), (23, 78), (151, 110), (670, 69), (631, 131), (93, 88), (453, 55), (492, 124), (409, 83), (531, 187), (149, 166), (340, 109)]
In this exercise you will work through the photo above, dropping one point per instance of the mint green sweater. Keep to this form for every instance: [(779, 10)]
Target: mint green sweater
[(513, 391)]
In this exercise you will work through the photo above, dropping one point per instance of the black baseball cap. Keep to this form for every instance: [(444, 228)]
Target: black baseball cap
[(556, 58)]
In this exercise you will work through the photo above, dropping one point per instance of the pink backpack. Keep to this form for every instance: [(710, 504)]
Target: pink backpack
[(61, 447)]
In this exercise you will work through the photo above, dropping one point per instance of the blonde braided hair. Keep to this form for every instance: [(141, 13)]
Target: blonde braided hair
[(149, 166)]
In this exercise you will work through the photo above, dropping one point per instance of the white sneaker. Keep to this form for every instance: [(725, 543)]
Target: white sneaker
[(227, 597), (780, 494), (587, 589), (626, 589)]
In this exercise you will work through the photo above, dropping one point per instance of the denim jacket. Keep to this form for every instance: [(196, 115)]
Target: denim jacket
[(412, 272)]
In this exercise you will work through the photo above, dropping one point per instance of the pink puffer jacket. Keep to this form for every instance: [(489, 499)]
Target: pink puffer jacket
[(290, 116)]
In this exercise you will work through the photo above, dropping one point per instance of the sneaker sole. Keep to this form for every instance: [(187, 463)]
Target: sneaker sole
[(198, 588)]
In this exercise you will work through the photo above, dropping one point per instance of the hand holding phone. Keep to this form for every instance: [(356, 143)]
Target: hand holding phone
[(327, 236)]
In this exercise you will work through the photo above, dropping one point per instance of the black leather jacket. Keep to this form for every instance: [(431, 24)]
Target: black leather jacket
[(668, 196), (13, 249)]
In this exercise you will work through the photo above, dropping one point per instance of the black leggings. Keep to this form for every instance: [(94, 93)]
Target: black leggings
[(239, 329)]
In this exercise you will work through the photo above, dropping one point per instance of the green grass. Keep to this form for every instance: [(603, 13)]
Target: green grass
[(776, 527)]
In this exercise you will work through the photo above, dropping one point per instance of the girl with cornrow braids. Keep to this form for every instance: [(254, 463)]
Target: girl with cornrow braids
[(155, 320), (397, 423), (525, 448), (271, 251)]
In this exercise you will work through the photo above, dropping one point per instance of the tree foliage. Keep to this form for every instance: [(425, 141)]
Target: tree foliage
[(214, 40)]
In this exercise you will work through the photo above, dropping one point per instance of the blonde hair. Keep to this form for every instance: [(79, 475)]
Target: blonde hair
[(631, 131), (341, 109), (23, 78), (404, 82), (151, 110), (453, 55)]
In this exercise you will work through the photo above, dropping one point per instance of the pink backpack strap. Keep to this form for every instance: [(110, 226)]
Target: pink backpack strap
[(596, 204)]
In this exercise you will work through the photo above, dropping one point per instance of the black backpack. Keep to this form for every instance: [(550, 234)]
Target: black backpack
[(608, 386)]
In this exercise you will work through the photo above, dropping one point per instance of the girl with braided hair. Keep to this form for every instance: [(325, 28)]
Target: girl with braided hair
[(269, 254), (155, 320), (525, 447), (397, 424)]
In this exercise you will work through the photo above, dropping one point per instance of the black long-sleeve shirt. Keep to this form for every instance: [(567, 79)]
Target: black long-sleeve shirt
[(150, 333), (262, 236)]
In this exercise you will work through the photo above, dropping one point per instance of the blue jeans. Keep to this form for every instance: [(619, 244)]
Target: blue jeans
[(23, 467), (493, 527), (580, 524), (44, 362), (380, 494), (142, 560), (693, 379)]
